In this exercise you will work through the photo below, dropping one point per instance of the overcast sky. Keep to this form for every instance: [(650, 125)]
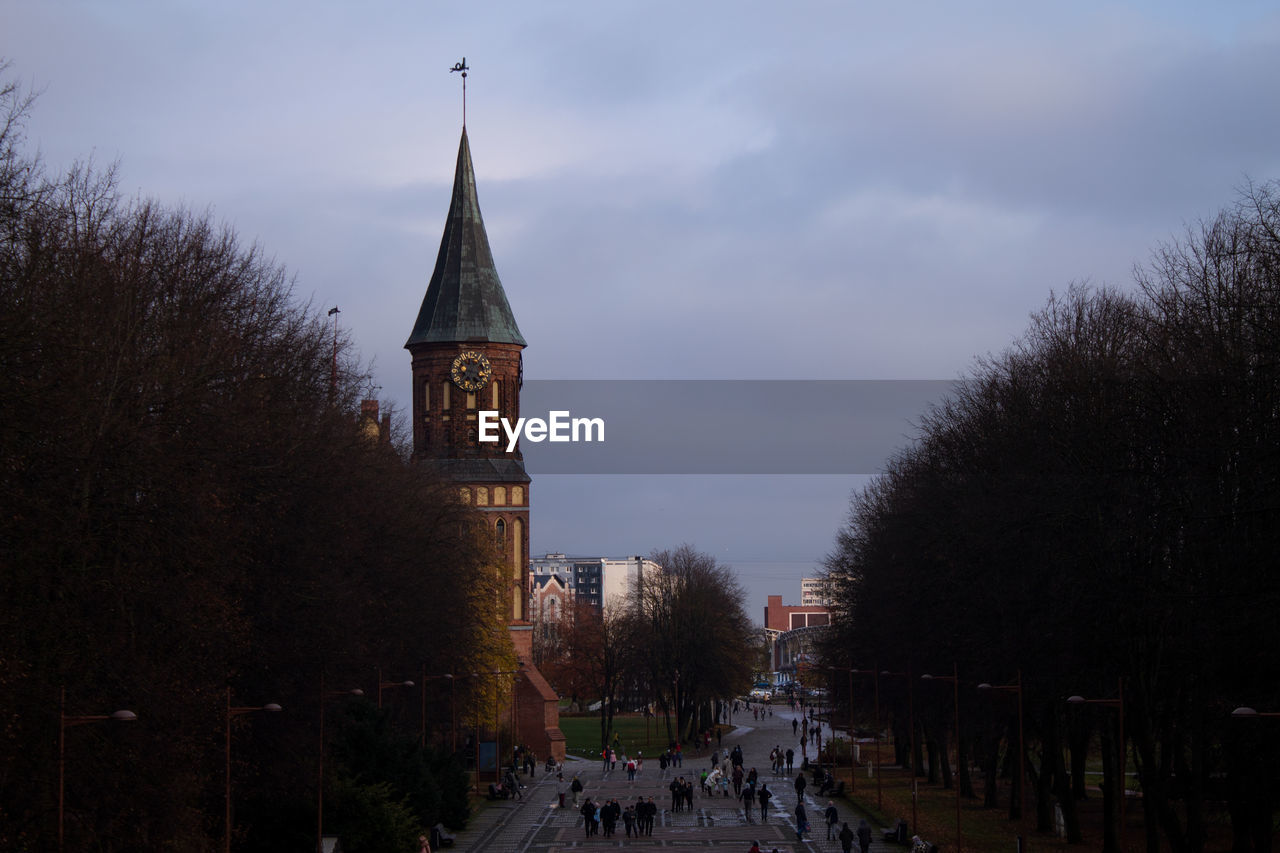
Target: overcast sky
[(694, 189)]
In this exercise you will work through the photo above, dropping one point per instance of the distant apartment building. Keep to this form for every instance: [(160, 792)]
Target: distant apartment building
[(813, 593), (557, 581)]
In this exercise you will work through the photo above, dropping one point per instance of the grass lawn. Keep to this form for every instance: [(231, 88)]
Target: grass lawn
[(990, 829), (636, 735)]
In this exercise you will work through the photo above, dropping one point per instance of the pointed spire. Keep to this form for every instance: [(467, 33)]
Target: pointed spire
[(465, 300)]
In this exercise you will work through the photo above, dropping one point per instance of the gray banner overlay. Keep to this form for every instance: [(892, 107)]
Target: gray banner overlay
[(726, 426)]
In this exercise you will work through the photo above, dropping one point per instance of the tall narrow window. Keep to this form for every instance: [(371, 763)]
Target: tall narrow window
[(426, 396), (444, 397), (471, 399), (518, 575), (500, 534), (499, 496), (495, 395)]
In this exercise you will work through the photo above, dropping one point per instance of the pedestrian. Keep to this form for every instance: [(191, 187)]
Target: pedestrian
[(864, 835), (628, 819), (737, 780), (791, 757), (576, 787), (748, 802), (846, 839), (754, 848), (795, 724), (764, 795), (802, 821), (833, 817), (800, 784), (651, 811)]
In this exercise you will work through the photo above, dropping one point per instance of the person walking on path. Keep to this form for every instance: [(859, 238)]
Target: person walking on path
[(864, 835), (791, 757), (802, 821), (833, 817), (764, 795), (576, 787), (800, 784), (748, 802), (846, 839)]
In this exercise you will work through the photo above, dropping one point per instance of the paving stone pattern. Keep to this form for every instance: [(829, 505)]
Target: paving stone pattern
[(536, 823)]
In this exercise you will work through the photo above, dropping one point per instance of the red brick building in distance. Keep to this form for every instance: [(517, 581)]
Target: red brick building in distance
[(787, 617), (791, 630)]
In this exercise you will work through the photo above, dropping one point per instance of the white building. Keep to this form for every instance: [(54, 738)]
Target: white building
[(813, 593), (603, 582)]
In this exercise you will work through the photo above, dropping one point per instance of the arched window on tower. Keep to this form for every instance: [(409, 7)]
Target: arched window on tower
[(500, 533)]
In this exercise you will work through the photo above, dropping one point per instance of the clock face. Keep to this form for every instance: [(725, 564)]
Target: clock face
[(471, 371)]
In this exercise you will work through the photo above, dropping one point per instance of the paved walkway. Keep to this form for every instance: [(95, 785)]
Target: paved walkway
[(537, 825)]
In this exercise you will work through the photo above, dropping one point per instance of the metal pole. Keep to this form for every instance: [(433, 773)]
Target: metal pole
[(911, 759), (62, 760), (955, 680), (226, 824), (853, 763), (320, 777), (1022, 755), (1124, 754), (879, 800)]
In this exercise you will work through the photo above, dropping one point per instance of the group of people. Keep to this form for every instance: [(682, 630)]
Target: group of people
[(726, 768), (637, 819), (780, 759)]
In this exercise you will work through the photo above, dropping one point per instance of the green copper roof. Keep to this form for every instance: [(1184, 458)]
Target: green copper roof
[(465, 300)]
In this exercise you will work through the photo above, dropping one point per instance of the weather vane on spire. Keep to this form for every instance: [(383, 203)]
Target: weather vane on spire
[(464, 68)]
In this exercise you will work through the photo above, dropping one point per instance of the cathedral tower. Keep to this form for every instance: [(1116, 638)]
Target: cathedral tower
[(467, 358), (466, 350)]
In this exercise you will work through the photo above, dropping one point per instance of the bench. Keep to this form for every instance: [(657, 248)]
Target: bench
[(440, 838), (898, 834)]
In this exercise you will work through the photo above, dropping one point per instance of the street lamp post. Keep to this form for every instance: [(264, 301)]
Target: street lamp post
[(453, 721), (384, 685), (876, 680), (954, 678), (65, 721), (355, 691), (911, 739), (235, 712), (1016, 687), (853, 765), (1118, 704), (497, 737)]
